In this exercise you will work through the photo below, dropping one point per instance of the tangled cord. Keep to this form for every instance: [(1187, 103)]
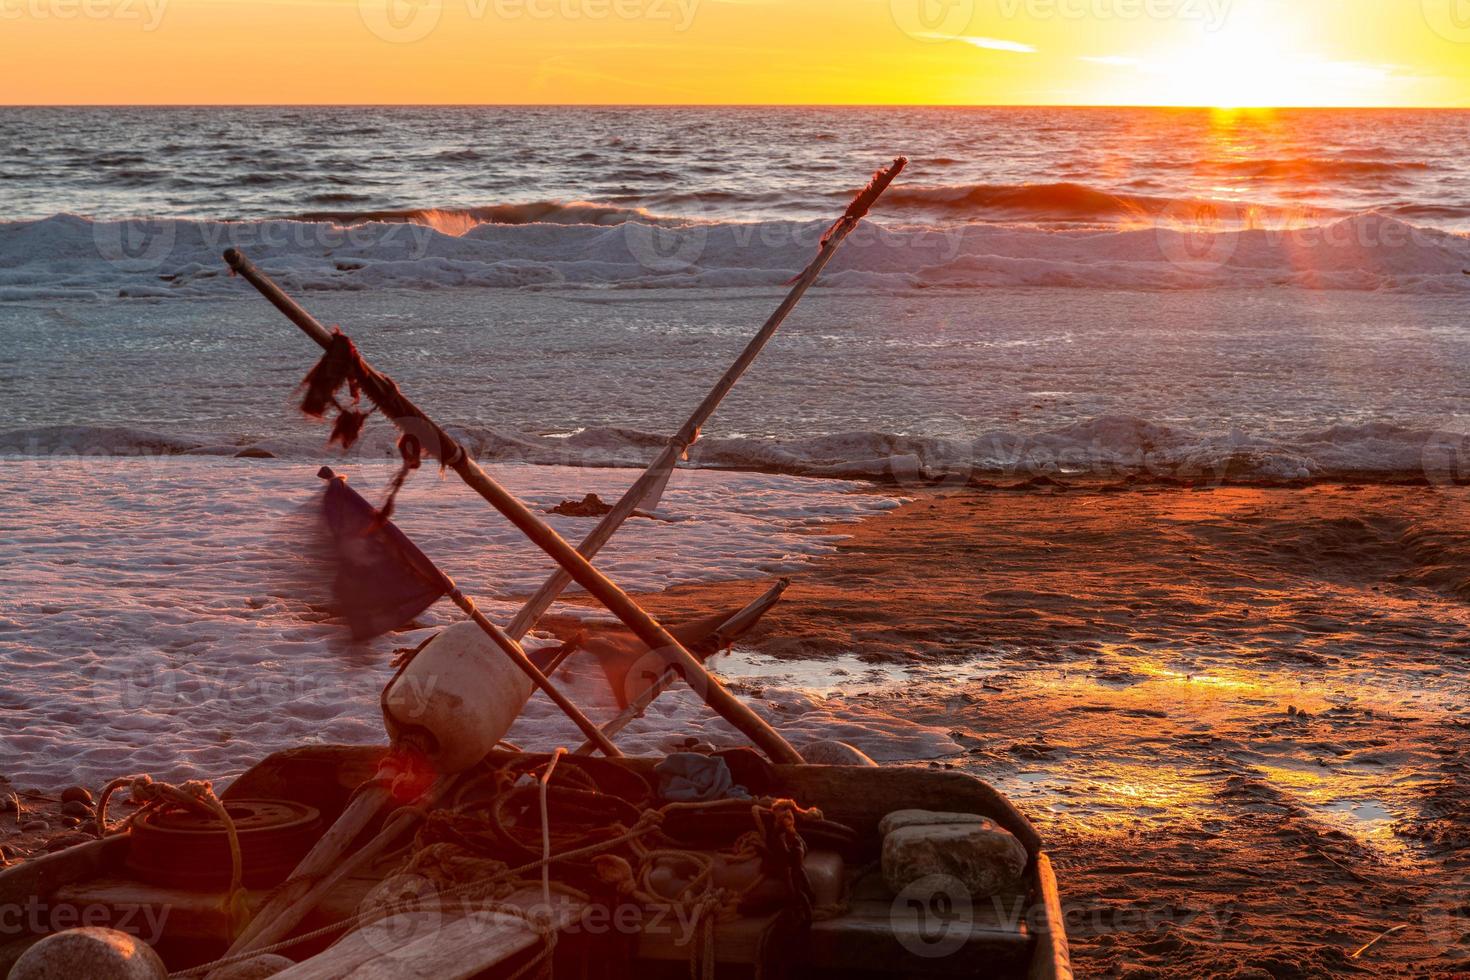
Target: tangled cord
[(456, 852)]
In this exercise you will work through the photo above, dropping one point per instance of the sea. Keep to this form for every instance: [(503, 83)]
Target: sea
[(1111, 294)]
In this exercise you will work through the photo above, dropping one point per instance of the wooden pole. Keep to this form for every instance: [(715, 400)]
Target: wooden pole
[(732, 627), (658, 471), (406, 415), (299, 892)]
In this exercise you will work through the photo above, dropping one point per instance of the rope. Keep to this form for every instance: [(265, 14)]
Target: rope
[(197, 795), (644, 827), (459, 873), (545, 781)]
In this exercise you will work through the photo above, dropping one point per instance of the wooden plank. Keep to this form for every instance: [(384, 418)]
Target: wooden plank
[(199, 915), (323, 776), (36, 879), (433, 945), (1053, 957), (871, 936), (185, 914)]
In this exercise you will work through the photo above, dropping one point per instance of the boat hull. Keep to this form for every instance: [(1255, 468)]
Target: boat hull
[(1022, 936)]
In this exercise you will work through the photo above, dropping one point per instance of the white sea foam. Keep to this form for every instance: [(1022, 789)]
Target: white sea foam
[(156, 618), (1108, 447), (71, 257)]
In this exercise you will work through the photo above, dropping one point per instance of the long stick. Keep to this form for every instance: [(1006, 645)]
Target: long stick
[(732, 627), (326, 853), (406, 415), (289, 906), (658, 471)]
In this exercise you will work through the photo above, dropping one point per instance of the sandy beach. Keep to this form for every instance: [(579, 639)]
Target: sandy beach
[(1238, 714)]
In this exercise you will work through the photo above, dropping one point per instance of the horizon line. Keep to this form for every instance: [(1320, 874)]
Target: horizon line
[(724, 105)]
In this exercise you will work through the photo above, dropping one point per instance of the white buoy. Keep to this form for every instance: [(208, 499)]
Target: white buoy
[(460, 695), (91, 952)]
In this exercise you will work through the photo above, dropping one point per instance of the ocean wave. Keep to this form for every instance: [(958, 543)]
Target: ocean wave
[(1113, 448), (536, 212), (597, 246), (1314, 168), (1067, 201)]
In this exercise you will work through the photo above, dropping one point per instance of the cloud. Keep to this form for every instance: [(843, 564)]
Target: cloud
[(996, 44)]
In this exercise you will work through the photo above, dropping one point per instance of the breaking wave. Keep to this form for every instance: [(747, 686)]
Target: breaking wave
[(581, 245), (1079, 202), (1109, 448)]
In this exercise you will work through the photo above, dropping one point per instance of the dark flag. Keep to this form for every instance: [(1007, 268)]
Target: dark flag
[(382, 579)]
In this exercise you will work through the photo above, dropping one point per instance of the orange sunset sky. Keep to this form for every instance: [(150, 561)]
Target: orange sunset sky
[(1134, 52)]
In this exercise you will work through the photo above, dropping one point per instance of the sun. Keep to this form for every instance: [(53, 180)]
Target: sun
[(1254, 62)]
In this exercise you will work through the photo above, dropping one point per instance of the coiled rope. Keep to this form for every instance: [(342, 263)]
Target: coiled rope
[(197, 795)]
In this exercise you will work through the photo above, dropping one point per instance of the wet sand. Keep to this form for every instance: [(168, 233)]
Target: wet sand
[(1237, 714)]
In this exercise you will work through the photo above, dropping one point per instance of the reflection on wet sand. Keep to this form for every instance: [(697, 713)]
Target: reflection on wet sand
[(1241, 711)]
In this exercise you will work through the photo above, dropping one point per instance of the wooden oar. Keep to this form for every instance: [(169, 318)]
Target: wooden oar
[(409, 417)]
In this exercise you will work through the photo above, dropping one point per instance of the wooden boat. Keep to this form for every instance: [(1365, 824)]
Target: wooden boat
[(871, 935)]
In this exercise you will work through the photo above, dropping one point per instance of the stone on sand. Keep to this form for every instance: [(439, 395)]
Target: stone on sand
[(981, 855), (829, 752), (95, 953), (77, 794)]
